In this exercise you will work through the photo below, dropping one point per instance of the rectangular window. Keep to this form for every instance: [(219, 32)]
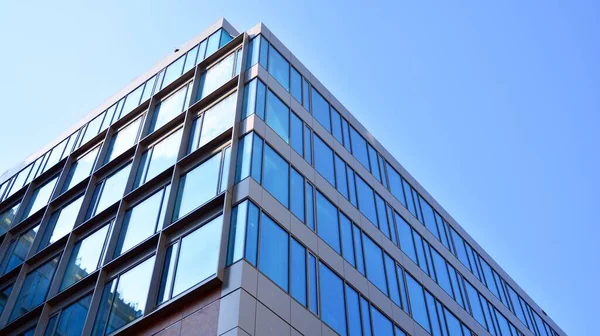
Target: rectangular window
[(402, 289), (55, 156), (346, 135), (455, 281), (244, 157), (109, 191), (382, 326), (353, 309), (406, 241), (359, 148), (253, 51), (273, 252), (442, 230), (7, 217), (340, 176), (124, 139), (390, 272), (296, 134), (81, 169), (366, 200), (454, 326), (142, 220), (308, 145), (373, 160), (40, 197), (213, 122), (296, 84), (173, 71), (360, 261), (374, 263), (123, 299), (243, 228), (298, 272), (212, 43), (35, 288), (169, 108), (410, 204), (85, 257), (382, 216), (327, 222), (216, 76), (331, 289), (306, 94), (61, 222), (148, 89), (351, 187), (310, 206), (190, 59), (312, 287), (336, 125), (132, 101), (459, 247), (417, 302), (158, 158), (428, 217), (18, 249), (366, 316), (279, 68), (276, 175), (420, 248), (347, 240), (297, 194), (277, 116), (441, 272), (4, 294), (254, 99), (70, 320), (320, 109), (474, 304), (324, 160), (93, 128)]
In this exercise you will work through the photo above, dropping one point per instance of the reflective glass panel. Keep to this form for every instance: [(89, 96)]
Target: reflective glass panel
[(327, 222), (81, 169), (18, 249), (61, 222), (273, 252), (109, 191), (331, 289), (320, 109), (276, 175), (85, 257), (158, 158), (277, 116), (123, 140), (169, 108), (35, 288), (324, 160), (197, 186), (216, 76), (40, 197), (279, 68)]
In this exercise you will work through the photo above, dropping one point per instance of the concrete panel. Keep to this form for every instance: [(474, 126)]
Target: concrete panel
[(274, 297), (278, 144), (268, 323), (304, 234), (240, 275), (237, 309), (276, 210), (302, 166), (379, 299), (356, 279), (235, 332), (403, 319), (330, 257), (305, 321)]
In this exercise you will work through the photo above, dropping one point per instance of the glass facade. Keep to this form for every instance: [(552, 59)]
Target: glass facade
[(127, 215)]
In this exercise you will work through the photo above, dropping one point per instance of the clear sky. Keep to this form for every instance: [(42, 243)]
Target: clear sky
[(494, 106)]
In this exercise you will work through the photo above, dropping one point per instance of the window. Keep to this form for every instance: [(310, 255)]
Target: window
[(402, 286), (312, 284), (346, 237), (173, 71), (454, 327), (198, 186), (142, 220), (417, 302), (196, 257), (40, 197), (109, 191), (340, 175), (70, 320), (298, 271), (123, 139), (373, 159), (382, 326), (7, 217), (4, 294), (366, 200), (382, 216), (273, 252), (85, 257), (327, 222), (310, 206), (359, 147), (320, 109), (474, 304), (243, 233), (61, 222), (93, 128), (353, 309), (54, 157), (190, 59), (366, 315), (460, 251), (374, 263), (254, 99), (18, 249), (35, 288), (351, 187), (332, 299), (213, 122), (297, 194), (296, 134), (296, 84), (428, 218), (169, 108), (360, 261), (133, 100), (81, 169), (216, 76), (158, 158), (324, 160), (410, 203), (406, 241), (225, 38), (308, 144), (276, 175), (277, 116), (279, 68), (336, 125), (212, 43), (19, 180), (441, 272), (390, 274), (124, 299)]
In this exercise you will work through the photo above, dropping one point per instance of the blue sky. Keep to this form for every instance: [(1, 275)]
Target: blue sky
[(493, 106)]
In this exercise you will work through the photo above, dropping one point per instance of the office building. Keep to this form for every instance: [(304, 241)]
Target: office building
[(227, 192)]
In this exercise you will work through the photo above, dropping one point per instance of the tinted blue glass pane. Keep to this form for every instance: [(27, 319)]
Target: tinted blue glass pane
[(173, 71), (197, 186), (347, 242), (296, 84), (18, 249), (433, 317), (489, 278), (336, 125), (406, 241), (40, 197), (276, 175), (81, 169), (296, 131), (475, 305), (298, 272), (374, 263), (73, 317), (340, 174), (331, 288), (257, 158), (382, 216), (382, 326), (61, 222), (441, 271), (346, 135), (459, 247), (216, 76), (244, 157), (225, 38), (35, 288), (237, 232), (320, 109), (307, 144), (353, 309), (273, 252), (124, 139), (148, 88), (409, 200), (190, 59), (213, 43), (428, 218), (85, 257), (390, 218), (456, 287), (454, 327), (398, 331), (202, 244), (373, 159), (419, 247), (218, 119), (310, 206), (297, 194), (253, 49), (264, 52), (503, 324), (132, 101), (390, 272), (360, 262), (51, 324), (110, 190), (277, 116), (366, 316), (4, 296), (312, 278), (366, 200), (359, 147), (402, 287), (324, 160), (160, 157), (279, 68), (442, 230), (166, 281), (251, 251), (417, 302), (351, 187), (105, 303), (249, 103), (327, 222)]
